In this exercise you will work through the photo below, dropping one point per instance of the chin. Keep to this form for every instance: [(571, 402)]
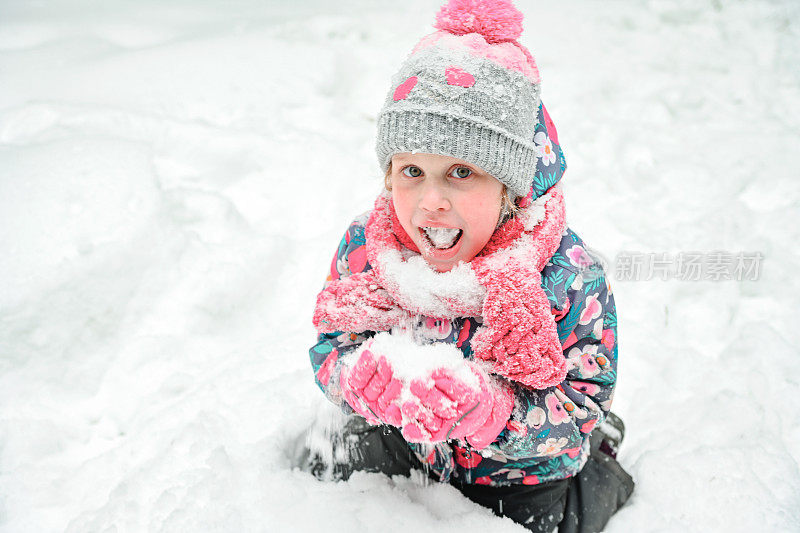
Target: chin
[(441, 265), (442, 268)]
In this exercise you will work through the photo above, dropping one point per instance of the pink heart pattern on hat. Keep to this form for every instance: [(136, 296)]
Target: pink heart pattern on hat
[(460, 77), (404, 88)]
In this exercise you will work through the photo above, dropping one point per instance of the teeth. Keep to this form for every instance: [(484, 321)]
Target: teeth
[(442, 238)]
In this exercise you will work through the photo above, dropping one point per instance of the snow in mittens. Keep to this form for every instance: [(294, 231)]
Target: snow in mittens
[(176, 178), (411, 359)]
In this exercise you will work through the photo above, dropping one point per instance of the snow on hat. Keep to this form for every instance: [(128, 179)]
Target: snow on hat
[(469, 91)]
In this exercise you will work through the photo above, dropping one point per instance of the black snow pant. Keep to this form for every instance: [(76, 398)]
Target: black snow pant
[(580, 504)]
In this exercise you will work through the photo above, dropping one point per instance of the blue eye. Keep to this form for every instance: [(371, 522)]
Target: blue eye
[(460, 173), (412, 171)]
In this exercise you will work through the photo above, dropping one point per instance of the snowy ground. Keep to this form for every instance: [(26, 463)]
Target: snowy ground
[(174, 179)]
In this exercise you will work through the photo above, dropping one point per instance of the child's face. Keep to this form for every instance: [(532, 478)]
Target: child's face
[(458, 198)]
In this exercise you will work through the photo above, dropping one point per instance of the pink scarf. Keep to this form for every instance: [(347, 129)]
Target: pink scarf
[(502, 285)]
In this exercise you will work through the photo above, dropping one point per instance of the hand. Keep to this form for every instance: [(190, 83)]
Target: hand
[(451, 404), (369, 386), (521, 341), (502, 405), (356, 303)]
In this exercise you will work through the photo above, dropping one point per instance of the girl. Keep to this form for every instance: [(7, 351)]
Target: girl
[(464, 327)]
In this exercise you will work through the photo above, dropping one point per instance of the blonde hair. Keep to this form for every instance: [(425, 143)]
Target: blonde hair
[(508, 208)]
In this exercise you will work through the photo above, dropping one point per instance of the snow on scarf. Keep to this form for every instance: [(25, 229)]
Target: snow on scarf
[(502, 285)]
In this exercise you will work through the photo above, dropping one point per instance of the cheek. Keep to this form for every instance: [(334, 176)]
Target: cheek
[(403, 206), (483, 216)]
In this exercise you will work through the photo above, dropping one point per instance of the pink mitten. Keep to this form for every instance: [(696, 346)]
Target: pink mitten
[(520, 340), (448, 404), (502, 405), (369, 386), (356, 303)]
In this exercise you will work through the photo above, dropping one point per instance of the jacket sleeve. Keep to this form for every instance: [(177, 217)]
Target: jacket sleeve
[(557, 420), (350, 258)]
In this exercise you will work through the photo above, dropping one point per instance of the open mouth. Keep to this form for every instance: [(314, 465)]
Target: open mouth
[(441, 238)]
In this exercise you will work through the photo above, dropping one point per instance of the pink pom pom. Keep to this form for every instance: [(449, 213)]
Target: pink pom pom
[(497, 20)]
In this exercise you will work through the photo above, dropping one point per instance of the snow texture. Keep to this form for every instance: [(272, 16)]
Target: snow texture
[(176, 176), (416, 282), (409, 359), (442, 237)]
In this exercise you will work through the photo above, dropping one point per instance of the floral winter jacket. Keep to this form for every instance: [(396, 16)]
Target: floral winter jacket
[(547, 436)]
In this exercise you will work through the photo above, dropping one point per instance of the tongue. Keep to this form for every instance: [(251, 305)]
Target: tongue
[(442, 237)]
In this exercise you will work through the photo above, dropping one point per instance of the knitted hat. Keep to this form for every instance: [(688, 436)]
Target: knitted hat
[(469, 91)]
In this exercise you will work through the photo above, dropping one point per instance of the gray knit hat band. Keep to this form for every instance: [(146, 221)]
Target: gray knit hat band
[(509, 160)]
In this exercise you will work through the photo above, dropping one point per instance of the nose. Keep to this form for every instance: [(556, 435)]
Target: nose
[(434, 197)]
